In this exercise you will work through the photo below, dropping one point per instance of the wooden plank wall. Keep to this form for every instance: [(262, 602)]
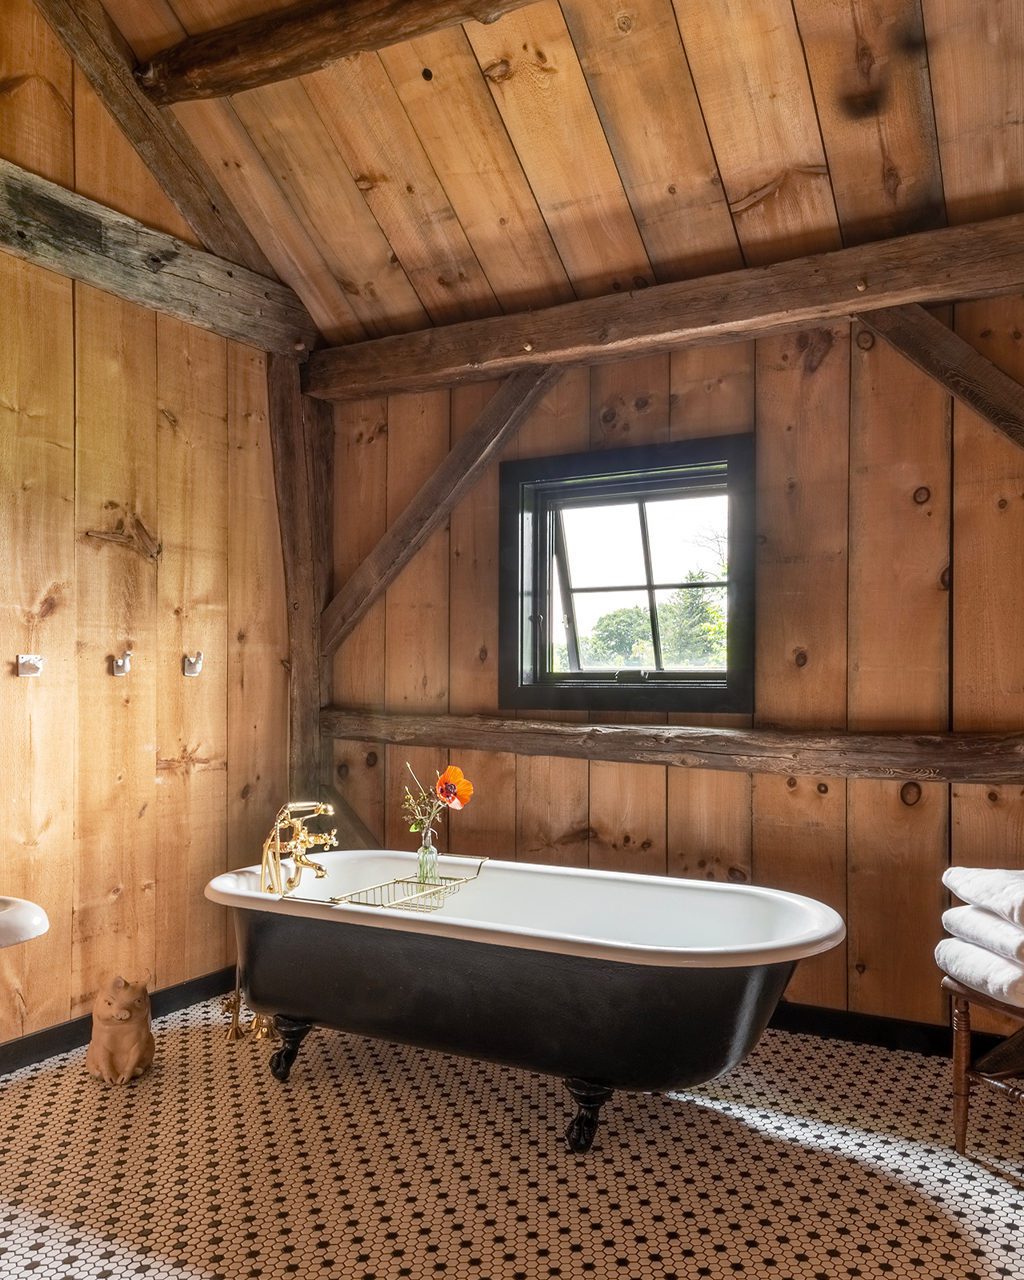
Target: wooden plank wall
[(123, 796), (889, 585), (856, 558)]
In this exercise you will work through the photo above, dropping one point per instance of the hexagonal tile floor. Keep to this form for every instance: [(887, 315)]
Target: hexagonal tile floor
[(814, 1160)]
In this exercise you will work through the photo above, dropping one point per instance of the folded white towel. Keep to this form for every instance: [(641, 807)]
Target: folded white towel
[(985, 929), (981, 970), (995, 890)]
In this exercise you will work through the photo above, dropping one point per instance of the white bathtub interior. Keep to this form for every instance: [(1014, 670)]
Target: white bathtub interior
[(666, 920)]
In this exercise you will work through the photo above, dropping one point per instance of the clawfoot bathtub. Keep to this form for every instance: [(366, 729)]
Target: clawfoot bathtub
[(609, 980)]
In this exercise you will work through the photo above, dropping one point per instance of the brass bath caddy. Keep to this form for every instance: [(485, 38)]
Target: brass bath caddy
[(409, 893)]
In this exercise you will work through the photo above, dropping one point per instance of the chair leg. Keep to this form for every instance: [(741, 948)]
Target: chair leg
[(961, 1070)]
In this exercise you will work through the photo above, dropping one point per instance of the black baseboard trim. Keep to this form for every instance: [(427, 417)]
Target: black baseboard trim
[(829, 1024), (38, 1046), (869, 1028)]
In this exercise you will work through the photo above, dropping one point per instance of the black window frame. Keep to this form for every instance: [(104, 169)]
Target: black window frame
[(534, 490)]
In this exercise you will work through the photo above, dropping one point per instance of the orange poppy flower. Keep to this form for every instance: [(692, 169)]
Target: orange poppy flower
[(454, 788)]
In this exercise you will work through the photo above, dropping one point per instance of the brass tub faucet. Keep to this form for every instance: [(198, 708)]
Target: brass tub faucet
[(292, 817)]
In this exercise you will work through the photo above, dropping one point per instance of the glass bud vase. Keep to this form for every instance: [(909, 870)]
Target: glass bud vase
[(426, 872)]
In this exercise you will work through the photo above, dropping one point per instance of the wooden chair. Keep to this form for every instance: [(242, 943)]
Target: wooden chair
[(995, 1068)]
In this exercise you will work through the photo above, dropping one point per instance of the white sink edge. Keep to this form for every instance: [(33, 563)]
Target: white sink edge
[(20, 921)]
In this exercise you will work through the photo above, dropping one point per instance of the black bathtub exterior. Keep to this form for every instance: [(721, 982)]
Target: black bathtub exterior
[(600, 1024)]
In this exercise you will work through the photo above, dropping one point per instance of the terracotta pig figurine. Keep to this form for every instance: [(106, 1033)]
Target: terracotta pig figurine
[(122, 1044)]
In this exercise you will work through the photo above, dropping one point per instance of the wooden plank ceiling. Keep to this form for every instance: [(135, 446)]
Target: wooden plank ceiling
[(595, 146)]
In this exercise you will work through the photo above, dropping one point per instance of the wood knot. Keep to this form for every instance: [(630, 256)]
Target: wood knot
[(791, 783), (910, 793), (624, 23), (341, 769), (371, 759), (865, 340), (922, 495), (822, 788), (499, 70), (800, 657)]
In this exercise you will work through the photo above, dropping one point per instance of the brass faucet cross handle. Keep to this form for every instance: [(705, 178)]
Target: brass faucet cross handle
[(292, 817)]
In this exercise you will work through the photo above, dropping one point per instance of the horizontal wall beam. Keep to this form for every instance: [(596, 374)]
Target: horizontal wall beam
[(978, 260), (954, 364), (898, 757), (67, 233), (307, 37)]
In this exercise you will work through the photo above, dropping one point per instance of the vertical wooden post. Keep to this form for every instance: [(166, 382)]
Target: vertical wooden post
[(302, 443)]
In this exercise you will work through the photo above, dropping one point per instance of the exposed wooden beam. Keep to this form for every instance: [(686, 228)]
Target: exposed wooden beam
[(92, 41), (282, 45), (435, 501), (907, 758), (302, 443), (954, 364), (77, 237), (973, 261), (299, 453)]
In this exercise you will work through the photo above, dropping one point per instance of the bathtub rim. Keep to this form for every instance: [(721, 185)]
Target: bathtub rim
[(827, 930)]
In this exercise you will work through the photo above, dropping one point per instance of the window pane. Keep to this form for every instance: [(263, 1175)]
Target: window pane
[(604, 546), (689, 538), (559, 638), (693, 623), (614, 630)]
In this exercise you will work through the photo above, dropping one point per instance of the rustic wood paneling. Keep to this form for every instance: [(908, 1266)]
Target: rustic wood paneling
[(116, 481), (118, 423), (637, 73), (192, 615), (257, 697), (535, 77), (37, 615), (37, 524), (898, 675), (709, 813), (394, 173), (553, 796), (868, 65), (487, 826), (988, 662), (799, 825), (438, 81), (416, 604), (977, 73), (762, 123), (360, 470)]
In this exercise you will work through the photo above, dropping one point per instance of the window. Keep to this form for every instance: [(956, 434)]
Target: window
[(627, 579)]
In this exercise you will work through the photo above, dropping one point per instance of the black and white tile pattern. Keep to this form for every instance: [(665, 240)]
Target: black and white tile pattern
[(814, 1160)]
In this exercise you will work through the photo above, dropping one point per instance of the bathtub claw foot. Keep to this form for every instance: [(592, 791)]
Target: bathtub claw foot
[(292, 1034), (589, 1099)]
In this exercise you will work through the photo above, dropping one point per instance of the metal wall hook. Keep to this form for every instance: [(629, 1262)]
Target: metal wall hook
[(30, 664), (121, 666), (192, 666)]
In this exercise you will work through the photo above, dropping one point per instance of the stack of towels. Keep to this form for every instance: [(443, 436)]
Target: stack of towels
[(986, 951)]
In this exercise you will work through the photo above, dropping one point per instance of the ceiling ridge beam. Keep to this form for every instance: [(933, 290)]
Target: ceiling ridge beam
[(954, 364), (62, 231), (100, 51), (304, 38), (976, 260), (434, 501), (907, 758)]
